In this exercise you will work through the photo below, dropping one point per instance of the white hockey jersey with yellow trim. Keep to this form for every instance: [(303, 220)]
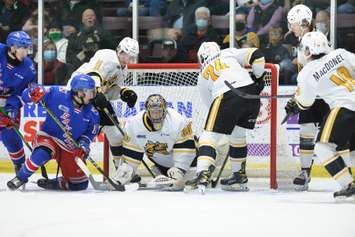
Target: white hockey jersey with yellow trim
[(171, 146), (332, 77), (228, 65), (105, 63)]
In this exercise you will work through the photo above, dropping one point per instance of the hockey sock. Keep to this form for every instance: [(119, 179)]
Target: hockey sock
[(238, 155), (116, 152), (14, 146), (306, 151), (78, 186), (207, 156), (337, 168), (38, 158)]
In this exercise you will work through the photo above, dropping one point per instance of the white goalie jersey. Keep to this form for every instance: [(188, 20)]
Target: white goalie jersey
[(105, 69), (228, 65), (331, 77), (171, 146)]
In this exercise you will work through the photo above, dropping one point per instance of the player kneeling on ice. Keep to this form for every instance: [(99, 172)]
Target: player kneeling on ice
[(165, 137), (329, 74), (73, 109), (228, 113), (109, 70)]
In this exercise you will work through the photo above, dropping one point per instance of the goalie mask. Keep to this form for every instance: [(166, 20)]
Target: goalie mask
[(156, 108)]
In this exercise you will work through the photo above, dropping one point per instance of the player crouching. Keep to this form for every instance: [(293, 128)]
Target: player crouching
[(165, 137), (73, 109)]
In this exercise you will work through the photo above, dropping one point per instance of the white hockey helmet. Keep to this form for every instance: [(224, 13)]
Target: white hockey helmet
[(316, 43), (206, 50), (129, 46), (300, 14)]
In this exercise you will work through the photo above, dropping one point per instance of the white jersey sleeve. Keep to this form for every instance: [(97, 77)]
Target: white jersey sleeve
[(217, 69), (330, 77), (105, 69)]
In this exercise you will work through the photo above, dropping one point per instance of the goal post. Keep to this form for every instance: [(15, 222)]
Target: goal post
[(268, 151)]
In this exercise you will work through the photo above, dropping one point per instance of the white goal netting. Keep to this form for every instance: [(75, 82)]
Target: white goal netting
[(268, 151)]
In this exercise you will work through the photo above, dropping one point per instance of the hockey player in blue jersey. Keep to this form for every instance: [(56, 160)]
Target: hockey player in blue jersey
[(81, 120), (16, 73)]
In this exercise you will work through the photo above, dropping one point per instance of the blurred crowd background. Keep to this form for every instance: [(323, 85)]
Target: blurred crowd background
[(170, 31)]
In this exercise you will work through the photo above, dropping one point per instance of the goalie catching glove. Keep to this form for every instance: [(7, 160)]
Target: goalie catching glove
[(128, 96)]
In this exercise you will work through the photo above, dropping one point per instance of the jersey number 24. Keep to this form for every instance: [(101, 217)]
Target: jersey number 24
[(213, 72)]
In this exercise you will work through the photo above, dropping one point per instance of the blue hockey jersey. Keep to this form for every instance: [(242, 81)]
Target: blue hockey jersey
[(83, 123), (13, 80)]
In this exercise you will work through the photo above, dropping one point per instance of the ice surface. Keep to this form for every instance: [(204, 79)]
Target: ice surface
[(260, 212)]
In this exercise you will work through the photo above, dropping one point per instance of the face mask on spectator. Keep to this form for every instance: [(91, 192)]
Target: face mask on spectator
[(264, 2), (239, 25), (49, 55), (201, 23), (322, 27), (55, 35)]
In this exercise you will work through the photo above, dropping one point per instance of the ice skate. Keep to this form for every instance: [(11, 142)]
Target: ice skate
[(302, 180), (202, 180), (237, 182), (346, 192), (15, 183)]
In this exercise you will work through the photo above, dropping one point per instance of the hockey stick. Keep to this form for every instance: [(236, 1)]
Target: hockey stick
[(43, 168), (249, 96), (113, 120), (117, 186), (215, 182)]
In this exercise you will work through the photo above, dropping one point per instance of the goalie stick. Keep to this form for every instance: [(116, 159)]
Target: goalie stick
[(113, 120), (250, 96), (117, 186), (43, 169)]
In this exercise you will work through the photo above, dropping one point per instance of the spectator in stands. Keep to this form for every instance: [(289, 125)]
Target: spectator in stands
[(70, 27), (348, 7), (55, 34), (31, 28), (12, 16), (55, 72), (276, 53), (180, 13), (71, 11), (164, 51), (245, 5), (322, 22), (198, 33), (91, 37), (267, 14), (146, 8), (243, 37)]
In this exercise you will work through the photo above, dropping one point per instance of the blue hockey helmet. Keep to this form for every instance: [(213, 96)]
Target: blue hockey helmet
[(19, 39), (82, 82)]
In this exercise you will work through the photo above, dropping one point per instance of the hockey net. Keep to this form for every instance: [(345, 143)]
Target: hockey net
[(268, 152)]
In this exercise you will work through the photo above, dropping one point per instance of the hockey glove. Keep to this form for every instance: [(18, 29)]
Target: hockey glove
[(83, 151), (101, 102), (128, 96), (6, 122), (292, 107), (36, 93)]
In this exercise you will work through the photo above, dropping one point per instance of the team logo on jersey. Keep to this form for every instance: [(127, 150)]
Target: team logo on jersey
[(156, 147), (63, 108), (187, 131)]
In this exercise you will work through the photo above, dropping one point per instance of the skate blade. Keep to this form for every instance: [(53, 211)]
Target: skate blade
[(301, 188), (344, 199), (189, 189), (235, 188)]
